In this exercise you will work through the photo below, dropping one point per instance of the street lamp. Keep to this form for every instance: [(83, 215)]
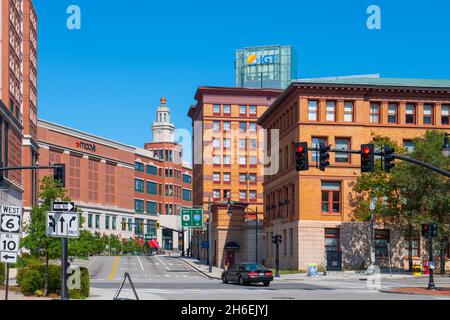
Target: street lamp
[(446, 146)]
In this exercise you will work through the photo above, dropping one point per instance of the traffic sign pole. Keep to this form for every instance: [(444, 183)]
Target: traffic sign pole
[(7, 281), (64, 293)]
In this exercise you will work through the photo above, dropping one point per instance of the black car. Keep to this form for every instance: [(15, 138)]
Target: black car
[(247, 273)]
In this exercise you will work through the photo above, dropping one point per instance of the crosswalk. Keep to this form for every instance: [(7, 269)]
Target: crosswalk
[(154, 276)]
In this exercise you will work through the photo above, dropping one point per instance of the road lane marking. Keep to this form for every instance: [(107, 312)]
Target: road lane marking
[(142, 267), (164, 264), (90, 263), (114, 269)]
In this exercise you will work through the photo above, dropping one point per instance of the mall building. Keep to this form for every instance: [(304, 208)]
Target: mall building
[(116, 186)]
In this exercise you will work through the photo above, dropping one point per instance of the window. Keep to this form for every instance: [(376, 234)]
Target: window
[(428, 114), (216, 194), (252, 143), (348, 111), (375, 112), (152, 170), (216, 125), (151, 187), (381, 243), (227, 143), (226, 177), (252, 160), (216, 160), (252, 110), (139, 205), (226, 194), (216, 108), (331, 197), (242, 177), (187, 195), (139, 166), (243, 126), (316, 141), (216, 143), (226, 125), (243, 194), (242, 160), (392, 113), (216, 177), (130, 224), (227, 160), (107, 222), (124, 224), (139, 185), (89, 220), (243, 110), (252, 127), (409, 146), (415, 246), (331, 111), (97, 221), (342, 144), (226, 109), (251, 177), (187, 178), (242, 143), (331, 239), (114, 223), (252, 195), (410, 116), (445, 114), (313, 107)]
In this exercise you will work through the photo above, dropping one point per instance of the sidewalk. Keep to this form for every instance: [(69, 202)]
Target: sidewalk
[(443, 292), (343, 275), (203, 268)]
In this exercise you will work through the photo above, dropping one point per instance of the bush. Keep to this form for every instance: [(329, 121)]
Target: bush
[(2, 273), (83, 292), (31, 282)]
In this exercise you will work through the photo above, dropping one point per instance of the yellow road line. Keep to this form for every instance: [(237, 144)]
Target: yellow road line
[(114, 269)]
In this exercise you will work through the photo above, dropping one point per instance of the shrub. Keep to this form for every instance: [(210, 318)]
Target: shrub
[(83, 292), (2, 273), (31, 282)]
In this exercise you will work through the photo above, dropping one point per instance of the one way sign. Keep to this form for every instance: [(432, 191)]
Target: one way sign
[(63, 224), (64, 206)]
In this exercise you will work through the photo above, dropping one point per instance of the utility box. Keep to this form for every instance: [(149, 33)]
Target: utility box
[(334, 260)]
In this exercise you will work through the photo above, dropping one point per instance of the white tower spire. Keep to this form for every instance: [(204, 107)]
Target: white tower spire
[(163, 127)]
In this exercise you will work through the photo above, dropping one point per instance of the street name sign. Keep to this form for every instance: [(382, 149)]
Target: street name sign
[(63, 224), (64, 206)]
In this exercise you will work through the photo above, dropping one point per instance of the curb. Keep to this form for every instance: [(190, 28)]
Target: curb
[(206, 274)]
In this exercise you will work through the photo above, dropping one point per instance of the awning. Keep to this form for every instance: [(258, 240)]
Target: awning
[(232, 246), (153, 244)]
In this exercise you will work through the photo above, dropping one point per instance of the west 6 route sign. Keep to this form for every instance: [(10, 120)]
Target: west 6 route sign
[(10, 226), (63, 224)]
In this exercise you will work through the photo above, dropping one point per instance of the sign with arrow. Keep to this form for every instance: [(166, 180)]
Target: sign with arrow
[(63, 225), (64, 206), (8, 257)]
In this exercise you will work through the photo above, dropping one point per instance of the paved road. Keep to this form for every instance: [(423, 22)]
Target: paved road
[(165, 277)]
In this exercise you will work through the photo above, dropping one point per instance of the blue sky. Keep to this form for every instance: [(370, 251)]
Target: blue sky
[(108, 77)]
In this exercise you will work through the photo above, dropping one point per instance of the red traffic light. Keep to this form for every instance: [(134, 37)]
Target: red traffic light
[(366, 150), (300, 148)]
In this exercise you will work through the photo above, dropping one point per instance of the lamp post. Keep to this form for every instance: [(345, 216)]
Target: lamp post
[(446, 146), (209, 235)]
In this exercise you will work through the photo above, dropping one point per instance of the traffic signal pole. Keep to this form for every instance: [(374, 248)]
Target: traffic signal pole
[(431, 285), (64, 291)]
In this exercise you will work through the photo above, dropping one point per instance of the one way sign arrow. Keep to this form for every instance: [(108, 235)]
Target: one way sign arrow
[(9, 257), (64, 206)]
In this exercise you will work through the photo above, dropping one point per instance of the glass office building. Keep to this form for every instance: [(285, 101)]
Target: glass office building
[(266, 67)]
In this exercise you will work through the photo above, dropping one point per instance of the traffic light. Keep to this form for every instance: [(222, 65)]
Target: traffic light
[(229, 207), (276, 238), (433, 230), (425, 230), (59, 173), (301, 156), (141, 226), (367, 158), (388, 158), (279, 238), (324, 156)]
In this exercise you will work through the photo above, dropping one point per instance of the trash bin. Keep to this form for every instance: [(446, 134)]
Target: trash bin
[(416, 270)]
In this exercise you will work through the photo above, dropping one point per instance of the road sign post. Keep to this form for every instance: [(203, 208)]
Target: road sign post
[(63, 222), (10, 228)]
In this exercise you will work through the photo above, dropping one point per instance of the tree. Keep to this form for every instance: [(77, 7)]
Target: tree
[(36, 238)]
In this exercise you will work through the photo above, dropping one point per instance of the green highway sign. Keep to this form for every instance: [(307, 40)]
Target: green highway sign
[(192, 218)]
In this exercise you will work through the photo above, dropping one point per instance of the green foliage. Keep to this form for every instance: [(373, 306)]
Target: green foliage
[(83, 292), (31, 281), (54, 276), (2, 273), (26, 260)]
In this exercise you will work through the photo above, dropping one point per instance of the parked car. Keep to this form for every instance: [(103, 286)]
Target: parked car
[(247, 273)]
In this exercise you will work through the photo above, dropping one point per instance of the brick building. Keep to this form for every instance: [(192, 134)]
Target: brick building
[(225, 160), (312, 209), (18, 107)]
